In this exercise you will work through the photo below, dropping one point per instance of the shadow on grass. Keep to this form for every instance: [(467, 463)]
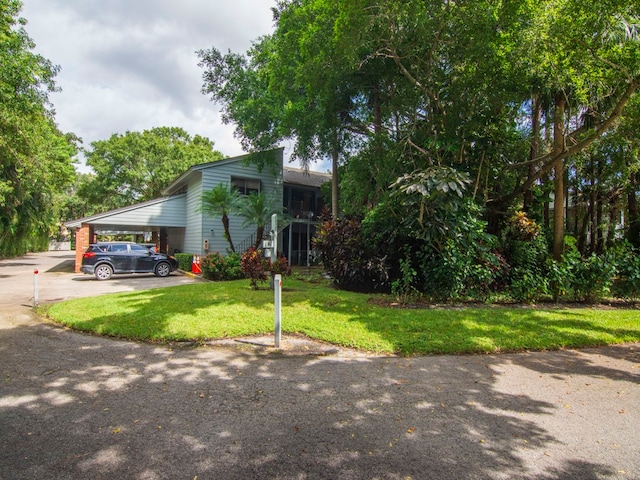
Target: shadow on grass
[(219, 310)]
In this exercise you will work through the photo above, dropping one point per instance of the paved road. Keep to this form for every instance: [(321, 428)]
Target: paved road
[(79, 406)]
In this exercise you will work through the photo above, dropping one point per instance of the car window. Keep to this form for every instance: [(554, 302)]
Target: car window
[(117, 248), (139, 249)]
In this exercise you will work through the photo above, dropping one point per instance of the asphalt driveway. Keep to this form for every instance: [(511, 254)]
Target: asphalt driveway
[(80, 406)]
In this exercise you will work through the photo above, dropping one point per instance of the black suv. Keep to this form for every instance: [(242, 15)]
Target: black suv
[(105, 259)]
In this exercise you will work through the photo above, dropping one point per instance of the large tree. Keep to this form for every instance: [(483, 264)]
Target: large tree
[(136, 166), (296, 85), (504, 91), (36, 159)]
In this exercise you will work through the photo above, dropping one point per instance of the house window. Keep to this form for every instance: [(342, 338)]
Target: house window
[(245, 186)]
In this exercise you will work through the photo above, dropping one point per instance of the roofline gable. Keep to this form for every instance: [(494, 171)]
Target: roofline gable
[(92, 218), (181, 180)]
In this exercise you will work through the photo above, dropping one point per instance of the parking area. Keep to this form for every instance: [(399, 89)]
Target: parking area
[(57, 281)]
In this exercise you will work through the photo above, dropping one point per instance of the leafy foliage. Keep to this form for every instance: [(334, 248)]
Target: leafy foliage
[(185, 261), (35, 157), (627, 282), (253, 267), (221, 201), (591, 278), (217, 267), (482, 101), (525, 250), (348, 258), (279, 266), (136, 166)]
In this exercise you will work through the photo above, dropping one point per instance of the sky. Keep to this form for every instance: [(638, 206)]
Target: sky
[(132, 65)]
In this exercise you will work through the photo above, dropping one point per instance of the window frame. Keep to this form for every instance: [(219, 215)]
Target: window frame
[(245, 188)]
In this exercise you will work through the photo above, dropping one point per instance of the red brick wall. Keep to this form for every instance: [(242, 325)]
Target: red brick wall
[(84, 237)]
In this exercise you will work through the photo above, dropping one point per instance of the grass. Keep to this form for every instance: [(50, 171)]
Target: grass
[(207, 311)]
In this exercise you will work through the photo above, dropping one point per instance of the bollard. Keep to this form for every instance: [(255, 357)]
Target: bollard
[(35, 287), (277, 303)]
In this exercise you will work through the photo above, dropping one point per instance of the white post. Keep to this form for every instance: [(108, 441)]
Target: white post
[(277, 282), (35, 287), (274, 236), (277, 301)]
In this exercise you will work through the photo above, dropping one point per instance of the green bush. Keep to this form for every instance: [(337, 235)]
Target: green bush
[(461, 271), (591, 278), (233, 269), (213, 266), (525, 250), (627, 282), (185, 261), (404, 287), (527, 284), (216, 267)]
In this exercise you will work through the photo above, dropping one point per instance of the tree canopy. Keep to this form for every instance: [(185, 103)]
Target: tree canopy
[(36, 159), (136, 166), (514, 94)]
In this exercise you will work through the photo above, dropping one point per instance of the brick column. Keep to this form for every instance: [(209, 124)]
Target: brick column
[(155, 238), (84, 237), (164, 237)]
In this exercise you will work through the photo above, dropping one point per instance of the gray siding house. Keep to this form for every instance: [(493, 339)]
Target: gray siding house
[(175, 223)]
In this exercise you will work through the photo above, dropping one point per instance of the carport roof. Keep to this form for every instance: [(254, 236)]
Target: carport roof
[(159, 212)]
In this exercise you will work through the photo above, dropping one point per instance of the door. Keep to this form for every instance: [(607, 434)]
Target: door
[(120, 258), (142, 259)]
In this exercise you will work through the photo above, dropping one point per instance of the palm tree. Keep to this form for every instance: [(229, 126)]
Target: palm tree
[(256, 210), (221, 201)]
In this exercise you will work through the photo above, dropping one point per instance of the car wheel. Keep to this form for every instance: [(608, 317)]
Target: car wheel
[(103, 272), (163, 269)]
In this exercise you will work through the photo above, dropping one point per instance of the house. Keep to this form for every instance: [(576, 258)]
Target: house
[(175, 223)]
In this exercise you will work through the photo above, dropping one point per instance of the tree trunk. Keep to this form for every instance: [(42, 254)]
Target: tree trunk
[(613, 219), (599, 226), (582, 231), (593, 200), (259, 235), (227, 233), (334, 178), (558, 169), (534, 150), (633, 222)]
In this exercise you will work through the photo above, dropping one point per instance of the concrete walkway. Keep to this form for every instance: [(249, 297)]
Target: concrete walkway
[(80, 406)]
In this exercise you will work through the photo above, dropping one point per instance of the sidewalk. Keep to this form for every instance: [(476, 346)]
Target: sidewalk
[(81, 406)]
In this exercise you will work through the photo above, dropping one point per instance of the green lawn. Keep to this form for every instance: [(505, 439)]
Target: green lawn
[(229, 309)]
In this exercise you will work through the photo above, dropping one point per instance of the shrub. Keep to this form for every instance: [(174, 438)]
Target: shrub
[(525, 250), (253, 267), (279, 266), (527, 284), (348, 258), (185, 261), (461, 271), (591, 278), (213, 266), (627, 281), (216, 267), (404, 287), (233, 268)]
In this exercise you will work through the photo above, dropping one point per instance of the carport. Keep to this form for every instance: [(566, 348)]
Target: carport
[(164, 218)]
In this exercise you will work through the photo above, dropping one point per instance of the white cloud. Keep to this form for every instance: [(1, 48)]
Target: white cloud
[(128, 66)]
